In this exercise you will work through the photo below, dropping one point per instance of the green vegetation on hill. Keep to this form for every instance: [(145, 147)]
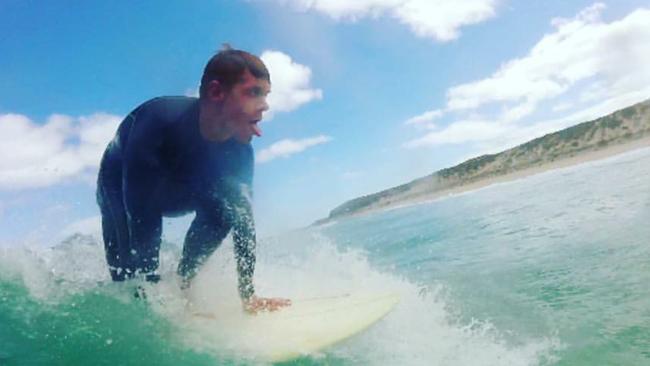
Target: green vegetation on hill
[(621, 127)]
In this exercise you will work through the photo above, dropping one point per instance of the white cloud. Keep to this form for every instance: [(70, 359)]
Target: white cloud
[(579, 49), (425, 119), (442, 19), (458, 132), (290, 83), (584, 65), (62, 148), (94, 133), (562, 106), (339, 9), (517, 112), (288, 147), (436, 19)]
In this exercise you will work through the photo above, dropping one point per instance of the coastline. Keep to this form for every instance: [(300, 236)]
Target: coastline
[(591, 156)]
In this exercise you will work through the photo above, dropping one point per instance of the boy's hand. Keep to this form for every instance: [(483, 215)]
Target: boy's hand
[(256, 304)]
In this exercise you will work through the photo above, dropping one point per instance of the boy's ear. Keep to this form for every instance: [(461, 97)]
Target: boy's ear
[(216, 91)]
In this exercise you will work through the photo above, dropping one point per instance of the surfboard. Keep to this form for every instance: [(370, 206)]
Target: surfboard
[(305, 327)]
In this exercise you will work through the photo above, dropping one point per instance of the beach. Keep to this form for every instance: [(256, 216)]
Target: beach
[(415, 199)]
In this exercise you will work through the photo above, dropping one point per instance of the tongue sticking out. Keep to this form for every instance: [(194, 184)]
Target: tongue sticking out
[(256, 129)]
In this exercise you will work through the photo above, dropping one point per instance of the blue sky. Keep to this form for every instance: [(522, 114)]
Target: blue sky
[(366, 94)]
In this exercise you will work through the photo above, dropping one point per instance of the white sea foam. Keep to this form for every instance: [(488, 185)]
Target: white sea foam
[(419, 331)]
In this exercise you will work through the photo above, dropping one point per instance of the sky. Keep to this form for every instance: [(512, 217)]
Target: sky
[(366, 94)]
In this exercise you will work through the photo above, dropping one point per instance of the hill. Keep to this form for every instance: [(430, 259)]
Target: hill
[(625, 129)]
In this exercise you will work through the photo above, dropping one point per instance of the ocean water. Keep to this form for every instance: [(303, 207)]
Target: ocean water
[(553, 269)]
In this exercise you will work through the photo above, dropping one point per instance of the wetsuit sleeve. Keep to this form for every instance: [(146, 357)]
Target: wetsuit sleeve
[(238, 187), (142, 169)]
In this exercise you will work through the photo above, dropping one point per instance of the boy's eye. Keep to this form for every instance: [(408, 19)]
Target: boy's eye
[(256, 92)]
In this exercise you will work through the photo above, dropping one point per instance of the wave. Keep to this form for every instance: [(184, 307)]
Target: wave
[(59, 307)]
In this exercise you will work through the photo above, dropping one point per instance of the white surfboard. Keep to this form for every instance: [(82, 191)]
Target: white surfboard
[(305, 327)]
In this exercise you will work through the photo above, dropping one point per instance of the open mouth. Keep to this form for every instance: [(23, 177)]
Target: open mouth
[(256, 129)]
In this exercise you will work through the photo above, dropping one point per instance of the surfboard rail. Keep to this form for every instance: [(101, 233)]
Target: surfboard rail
[(307, 326)]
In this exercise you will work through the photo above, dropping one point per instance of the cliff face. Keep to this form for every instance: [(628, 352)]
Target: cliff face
[(618, 128)]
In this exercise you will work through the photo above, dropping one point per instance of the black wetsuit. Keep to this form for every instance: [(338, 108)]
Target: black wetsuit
[(159, 165)]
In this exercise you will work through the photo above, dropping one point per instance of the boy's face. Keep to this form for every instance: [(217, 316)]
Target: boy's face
[(243, 106)]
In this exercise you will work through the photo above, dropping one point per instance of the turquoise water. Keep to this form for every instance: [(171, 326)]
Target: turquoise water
[(553, 269)]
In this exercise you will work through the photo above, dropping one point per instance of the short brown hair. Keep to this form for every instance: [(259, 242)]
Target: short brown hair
[(228, 66)]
